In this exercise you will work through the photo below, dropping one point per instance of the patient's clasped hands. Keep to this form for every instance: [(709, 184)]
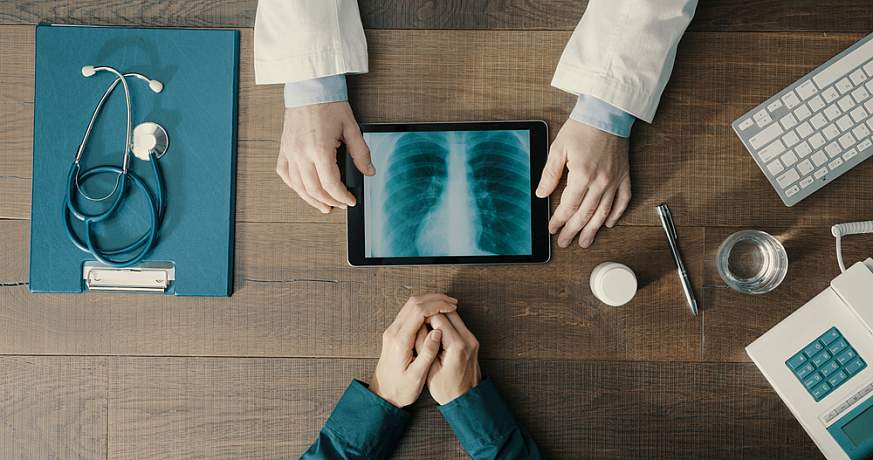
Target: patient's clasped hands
[(427, 343)]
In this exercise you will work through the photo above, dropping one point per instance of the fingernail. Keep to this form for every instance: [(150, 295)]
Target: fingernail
[(371, 170), (585, 243), (324, 211), (562, 244)]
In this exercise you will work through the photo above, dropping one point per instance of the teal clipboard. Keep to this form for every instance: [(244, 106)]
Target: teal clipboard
[(198, 109)]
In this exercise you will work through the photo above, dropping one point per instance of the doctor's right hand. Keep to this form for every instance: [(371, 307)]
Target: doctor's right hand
[(307, 153)]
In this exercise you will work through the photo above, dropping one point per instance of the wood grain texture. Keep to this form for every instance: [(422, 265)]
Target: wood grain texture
[(296, 296), (689, 156), (712, 15), (273, 408), (53, 407), (734, 320)]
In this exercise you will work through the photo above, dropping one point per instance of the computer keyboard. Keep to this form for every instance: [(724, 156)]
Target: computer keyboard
[(817, 128), (825, 364)]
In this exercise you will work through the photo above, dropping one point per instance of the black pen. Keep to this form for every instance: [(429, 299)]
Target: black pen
[(673, 239)]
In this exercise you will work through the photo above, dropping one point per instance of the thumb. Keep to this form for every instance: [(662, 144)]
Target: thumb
[(428, 353), (552, 173), (358, 149)]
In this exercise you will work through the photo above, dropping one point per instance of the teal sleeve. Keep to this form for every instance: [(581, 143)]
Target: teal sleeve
[(485, 427), (362, 426)]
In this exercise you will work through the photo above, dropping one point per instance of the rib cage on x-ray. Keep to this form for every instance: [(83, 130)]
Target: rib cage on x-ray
[(457, 193)]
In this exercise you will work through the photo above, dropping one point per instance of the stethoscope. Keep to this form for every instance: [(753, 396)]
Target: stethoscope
[(149, 142)]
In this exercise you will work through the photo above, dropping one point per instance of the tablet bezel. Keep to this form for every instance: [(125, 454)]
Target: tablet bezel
[(540, 237)]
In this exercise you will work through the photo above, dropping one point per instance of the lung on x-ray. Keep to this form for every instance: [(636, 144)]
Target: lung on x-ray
[(448, 193)]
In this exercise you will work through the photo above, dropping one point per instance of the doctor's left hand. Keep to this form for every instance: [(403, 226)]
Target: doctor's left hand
[(307, 153), (400, 373), (598, 181)]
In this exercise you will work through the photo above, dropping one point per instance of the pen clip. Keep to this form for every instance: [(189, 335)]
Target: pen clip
[(667, 220)]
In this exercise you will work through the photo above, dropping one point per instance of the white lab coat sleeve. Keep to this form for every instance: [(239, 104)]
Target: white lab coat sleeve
[(622, 52), (304, 39)]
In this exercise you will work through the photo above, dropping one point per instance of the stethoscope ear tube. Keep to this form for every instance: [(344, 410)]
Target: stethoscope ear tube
[(142, 244)]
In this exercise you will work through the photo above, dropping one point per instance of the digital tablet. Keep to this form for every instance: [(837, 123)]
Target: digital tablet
[(450, 193)]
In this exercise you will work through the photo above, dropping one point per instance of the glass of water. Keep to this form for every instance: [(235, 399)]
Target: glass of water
[(752, 262)]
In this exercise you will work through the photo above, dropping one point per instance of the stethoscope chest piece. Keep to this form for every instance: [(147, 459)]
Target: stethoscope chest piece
[(149, 138)]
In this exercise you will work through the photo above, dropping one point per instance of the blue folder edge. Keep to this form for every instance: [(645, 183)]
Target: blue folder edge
[(228, 288)]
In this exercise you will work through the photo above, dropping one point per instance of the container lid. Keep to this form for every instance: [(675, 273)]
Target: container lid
[(617, 285)]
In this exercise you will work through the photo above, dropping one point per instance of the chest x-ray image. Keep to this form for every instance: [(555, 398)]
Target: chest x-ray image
[(448, 193)]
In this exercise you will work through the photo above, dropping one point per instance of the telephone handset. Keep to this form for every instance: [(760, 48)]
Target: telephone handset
[(851, 228)]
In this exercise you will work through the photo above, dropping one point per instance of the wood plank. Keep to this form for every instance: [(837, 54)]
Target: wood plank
[(689, 156), (296, 296), (272, 408), (734, 320), (53, 407), (712, 15)]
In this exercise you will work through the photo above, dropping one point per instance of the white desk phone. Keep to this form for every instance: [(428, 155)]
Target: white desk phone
[(820, 359)]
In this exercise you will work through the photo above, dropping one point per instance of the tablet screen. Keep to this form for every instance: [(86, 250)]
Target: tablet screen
[(448, 193)]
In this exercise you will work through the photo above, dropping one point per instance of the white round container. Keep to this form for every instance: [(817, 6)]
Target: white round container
[(613, 283)]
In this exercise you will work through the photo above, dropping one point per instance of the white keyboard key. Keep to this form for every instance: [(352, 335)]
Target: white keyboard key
[(771, 151), (847, 140), (832, 112), (857, 77), (844, 85), (833, 149), (845, 122), (819, 158), (869, 105), (792, 191), (802, 112), (803, 149), (860, 95), (806, 89), (831, 131), (788, 121), (775, 167), (775, 105), (790, 139), (765, 136), (869, 86), (846, 103), (762, 118), (864, 145), (850, 154), (816, 103), (858, 114), (816, 140), (806, 182), (789, 158), (830, 95), (818, 121), (790, 99), (868, 67), (870, 122), (804, 130), (861, 131), (835, 164), (789, 177), (821, 173), (805, 167), (746, 124)]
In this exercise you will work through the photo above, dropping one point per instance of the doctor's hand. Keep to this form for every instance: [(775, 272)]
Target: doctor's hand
[(456, 370), (598, 182), (400, 375), (307, 153)]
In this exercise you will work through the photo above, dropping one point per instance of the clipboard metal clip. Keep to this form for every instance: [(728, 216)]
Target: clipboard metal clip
[(149, 277)]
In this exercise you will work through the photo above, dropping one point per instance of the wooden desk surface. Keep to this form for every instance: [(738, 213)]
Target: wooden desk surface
[(255, 375)]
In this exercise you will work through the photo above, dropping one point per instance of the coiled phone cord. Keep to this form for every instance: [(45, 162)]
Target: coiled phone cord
[(851, 228)]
